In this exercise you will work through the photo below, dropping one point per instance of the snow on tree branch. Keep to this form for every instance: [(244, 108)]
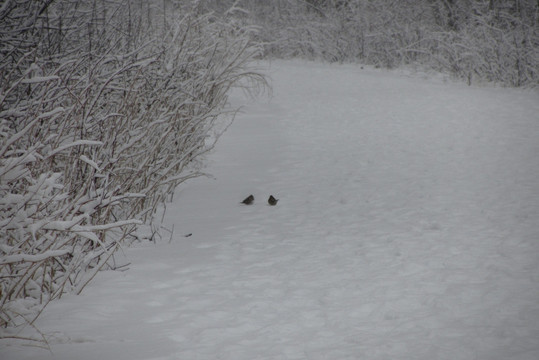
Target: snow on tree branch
[(101, 118)]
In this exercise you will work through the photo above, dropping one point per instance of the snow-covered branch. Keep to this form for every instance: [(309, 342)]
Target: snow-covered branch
[(101, 118)]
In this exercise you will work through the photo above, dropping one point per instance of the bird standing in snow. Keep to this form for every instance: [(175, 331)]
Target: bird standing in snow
[(248, 200), (272, 201)]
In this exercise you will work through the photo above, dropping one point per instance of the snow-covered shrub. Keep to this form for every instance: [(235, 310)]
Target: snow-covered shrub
[(503, 48), (483, 40), (105, 108)]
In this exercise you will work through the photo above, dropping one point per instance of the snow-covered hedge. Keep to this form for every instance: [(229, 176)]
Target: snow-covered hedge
[(105, 107), (480, 40)]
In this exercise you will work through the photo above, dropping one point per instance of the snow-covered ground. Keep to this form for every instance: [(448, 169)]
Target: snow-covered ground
[(407, 228)]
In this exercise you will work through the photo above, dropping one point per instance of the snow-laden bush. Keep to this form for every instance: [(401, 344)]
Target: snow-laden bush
[(471, 40), (104, 109)]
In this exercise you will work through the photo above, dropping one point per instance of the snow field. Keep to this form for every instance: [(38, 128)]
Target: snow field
[(407, 228)]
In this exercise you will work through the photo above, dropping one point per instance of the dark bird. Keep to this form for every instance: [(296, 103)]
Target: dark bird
[(248, 200), (272, 201)]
